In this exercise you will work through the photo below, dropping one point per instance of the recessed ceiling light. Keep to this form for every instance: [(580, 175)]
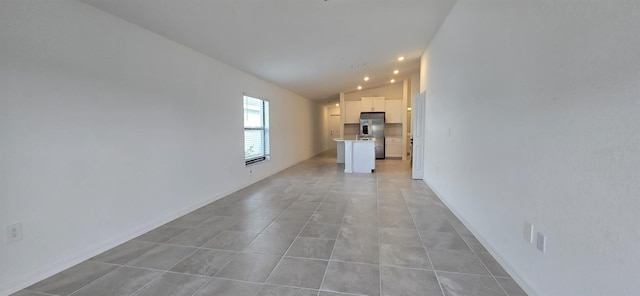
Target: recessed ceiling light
[(337, 105), (393, 80), (396, 71), (401, 59), (366, 78), (359, 87)]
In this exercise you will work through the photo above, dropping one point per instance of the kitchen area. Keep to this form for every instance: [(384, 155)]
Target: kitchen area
[(374, 125)]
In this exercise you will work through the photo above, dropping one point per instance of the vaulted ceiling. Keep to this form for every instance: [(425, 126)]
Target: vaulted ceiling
[(315, 48)]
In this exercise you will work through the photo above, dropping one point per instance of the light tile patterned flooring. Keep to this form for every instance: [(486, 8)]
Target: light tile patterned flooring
[(308, 230)]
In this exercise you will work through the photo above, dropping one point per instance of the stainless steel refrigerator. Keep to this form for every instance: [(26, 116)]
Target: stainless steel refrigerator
[(372, 126)]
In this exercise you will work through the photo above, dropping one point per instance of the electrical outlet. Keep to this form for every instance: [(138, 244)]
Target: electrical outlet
[(14, 233), (528, 232), (541, 242)]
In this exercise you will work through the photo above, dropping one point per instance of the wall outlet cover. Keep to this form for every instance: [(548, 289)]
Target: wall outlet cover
[(14, 233), (541, 242)]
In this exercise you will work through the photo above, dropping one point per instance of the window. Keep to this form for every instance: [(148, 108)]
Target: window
[(256, 130)]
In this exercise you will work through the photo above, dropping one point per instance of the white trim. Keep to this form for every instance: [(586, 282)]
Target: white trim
[(512, 272), (29, 279), (14, 286)]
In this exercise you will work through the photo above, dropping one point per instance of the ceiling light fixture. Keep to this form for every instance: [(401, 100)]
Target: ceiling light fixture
[(366, 78), (393, 80), (359, 87), (400, 59), (396, 71), (337, 105)]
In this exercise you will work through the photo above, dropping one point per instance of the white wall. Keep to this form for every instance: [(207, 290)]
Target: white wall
[(108, 130), (415, 86), (543, 102)]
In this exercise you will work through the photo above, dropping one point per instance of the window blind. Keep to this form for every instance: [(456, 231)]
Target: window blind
[(256, 130)]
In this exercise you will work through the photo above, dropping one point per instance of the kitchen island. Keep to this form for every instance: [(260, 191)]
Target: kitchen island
[(358, 155)]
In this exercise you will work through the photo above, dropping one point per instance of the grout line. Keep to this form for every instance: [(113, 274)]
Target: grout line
[(472, 250), (447, 217), (39, 293), (189, 274), (202, 287), (378, 228), (249, 282), (236, 252), (297, 236), (148, 283), (91, 282), (425, 249), (335, 181), (334, 246), (160, 270), (182, 259), (462, 273), (76, 291), (240, 251)]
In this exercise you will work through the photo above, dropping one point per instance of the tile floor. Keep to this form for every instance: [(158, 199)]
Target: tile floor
[(308, 230)]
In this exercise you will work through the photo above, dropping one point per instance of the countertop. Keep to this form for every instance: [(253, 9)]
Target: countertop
[(372, 139)]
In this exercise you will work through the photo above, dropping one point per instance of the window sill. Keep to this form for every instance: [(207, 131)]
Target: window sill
[(256, 161)]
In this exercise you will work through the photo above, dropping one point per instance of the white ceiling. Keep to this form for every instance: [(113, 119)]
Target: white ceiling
[(315, 48)]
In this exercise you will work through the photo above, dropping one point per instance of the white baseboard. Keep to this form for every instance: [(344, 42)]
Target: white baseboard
[(27, 280), (512, 272), (69, 261)]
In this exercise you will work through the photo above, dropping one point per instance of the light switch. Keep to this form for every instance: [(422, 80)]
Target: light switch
[(528, 232)]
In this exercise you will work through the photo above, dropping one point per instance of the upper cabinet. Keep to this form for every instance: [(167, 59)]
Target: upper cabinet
[(372, 104), (352, 111), (392, 108), (393, 111)]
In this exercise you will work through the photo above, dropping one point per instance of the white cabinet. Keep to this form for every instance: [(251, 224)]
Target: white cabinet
[(372, 104), (393, 111), (357, 156), (393, 147), (364, 156), (352, 111)]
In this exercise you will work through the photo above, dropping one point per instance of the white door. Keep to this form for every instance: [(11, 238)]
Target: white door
[(334, 128), (417, 131)]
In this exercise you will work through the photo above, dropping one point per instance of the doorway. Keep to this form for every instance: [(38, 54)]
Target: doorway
[(334, 125)]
